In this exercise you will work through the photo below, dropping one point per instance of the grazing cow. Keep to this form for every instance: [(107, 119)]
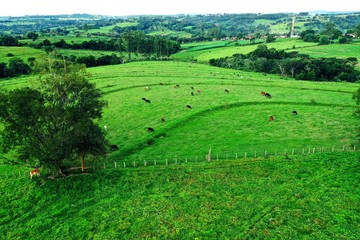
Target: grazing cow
[(150, 130), (192, 88), (192, 94), (147, 101), (271, 118), (267, 95), (114, 147), (227, 91), (294, 113), (262, 93), (188, 106), (36, 172), (144, 99), (147, 88), (161, 83), (162, 120), (198, 91)]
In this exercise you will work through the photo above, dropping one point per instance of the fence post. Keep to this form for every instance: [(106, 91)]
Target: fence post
[(217, 156), (354, 148), (115, 164), (332, 149), (313, 150), (343, 148), (245, 155), (154, 162), (303, 152), (124, 164), (292, 151), (236, 156), (166, 162), (134, 164), (104, 166), (265, 154), (186, 159), (255, 154), (144, 163)]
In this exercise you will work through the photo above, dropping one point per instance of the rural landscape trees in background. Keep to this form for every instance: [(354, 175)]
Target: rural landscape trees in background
[(180, 127)]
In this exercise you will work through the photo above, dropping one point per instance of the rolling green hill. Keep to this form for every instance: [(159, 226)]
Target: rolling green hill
[(265, 180)]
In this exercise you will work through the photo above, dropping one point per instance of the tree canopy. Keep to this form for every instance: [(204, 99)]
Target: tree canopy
[(54, 120)]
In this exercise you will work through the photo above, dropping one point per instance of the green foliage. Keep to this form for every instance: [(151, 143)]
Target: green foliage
[(55, 121), (324, 40), (299, 66)]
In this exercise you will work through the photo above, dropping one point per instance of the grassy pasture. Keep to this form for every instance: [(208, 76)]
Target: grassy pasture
[(227, 123), (81, 53), (333, 50), (107, 29), (304, 197), (219, 52), (22, 52), (313, 196)]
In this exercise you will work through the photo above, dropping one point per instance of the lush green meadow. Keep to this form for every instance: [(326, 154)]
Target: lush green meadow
[(228, 123), (21, 52), (227, 51), (286, 191), (302, 197)]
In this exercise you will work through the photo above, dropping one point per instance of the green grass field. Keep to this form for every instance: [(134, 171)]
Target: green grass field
[(285, 191), (333, 50), (204, 56), (233, 122), (302, 197), (21, 52)]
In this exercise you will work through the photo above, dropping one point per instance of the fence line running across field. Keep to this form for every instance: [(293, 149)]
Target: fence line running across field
[(141, 162), (206, 158)]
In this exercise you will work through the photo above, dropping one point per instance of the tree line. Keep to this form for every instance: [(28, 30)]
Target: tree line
[(293, 64), (18, 66), (131, 42)]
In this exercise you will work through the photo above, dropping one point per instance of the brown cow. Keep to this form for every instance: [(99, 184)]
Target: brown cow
[(271, 118), (36, 172)]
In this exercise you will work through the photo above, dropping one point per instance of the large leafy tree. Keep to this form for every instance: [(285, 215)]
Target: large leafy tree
[(54, 121)]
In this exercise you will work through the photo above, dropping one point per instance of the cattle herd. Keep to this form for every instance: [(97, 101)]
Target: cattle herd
[(36, 172), (265, 94)]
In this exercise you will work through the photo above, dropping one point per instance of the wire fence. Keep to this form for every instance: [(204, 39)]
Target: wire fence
[(96, 165)]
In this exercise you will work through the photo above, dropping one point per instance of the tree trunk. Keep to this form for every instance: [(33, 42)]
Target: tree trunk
[(82, 158)]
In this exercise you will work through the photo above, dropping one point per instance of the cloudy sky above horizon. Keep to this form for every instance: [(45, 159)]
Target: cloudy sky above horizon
[(168, 7)]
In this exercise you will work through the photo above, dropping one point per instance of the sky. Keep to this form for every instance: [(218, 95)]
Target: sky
[(170, 7)]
